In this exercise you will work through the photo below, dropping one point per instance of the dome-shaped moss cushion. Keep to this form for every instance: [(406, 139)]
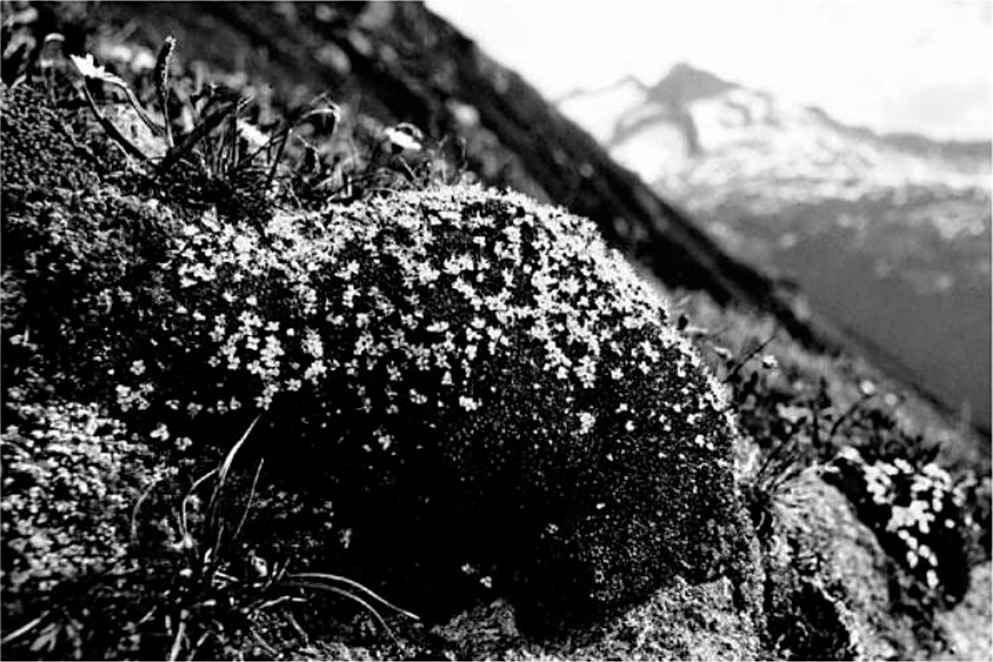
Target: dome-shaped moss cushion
[(484, 384)]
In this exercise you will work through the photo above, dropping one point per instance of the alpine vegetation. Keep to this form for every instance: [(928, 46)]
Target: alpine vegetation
[(465, 374), (282, 380)]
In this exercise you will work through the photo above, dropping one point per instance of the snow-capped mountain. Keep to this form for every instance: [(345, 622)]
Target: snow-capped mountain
[(693, 131), (889, 235)]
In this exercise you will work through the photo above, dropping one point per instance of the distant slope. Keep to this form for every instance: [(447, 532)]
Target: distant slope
[(889, 235)]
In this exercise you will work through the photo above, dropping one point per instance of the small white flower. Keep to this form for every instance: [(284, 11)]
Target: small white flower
[(90, 69), (252, 134), (912, 559), (242, 244), (404, 138), (160, 433), (349, 270)]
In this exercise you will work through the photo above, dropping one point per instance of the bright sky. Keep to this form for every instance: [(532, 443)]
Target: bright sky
[(893, 65)]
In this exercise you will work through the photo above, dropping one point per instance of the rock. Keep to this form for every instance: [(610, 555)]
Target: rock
[(966, 628), (682, 622), (828, 581), (484, 632)]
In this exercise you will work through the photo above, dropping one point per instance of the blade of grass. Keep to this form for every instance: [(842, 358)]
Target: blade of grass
[(24, 629), (317, 586), (229, 460), (278, 157), (204, 128), (162, 84), (111, 129), (748, 357), (183, 505), (847, 415), (213, 522), (306, 576), (137, 507), (251, 496), (177, 642)]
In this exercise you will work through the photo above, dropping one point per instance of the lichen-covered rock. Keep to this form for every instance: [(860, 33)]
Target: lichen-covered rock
[(965, 629), (681, 622), (828, 582), (487, 391)]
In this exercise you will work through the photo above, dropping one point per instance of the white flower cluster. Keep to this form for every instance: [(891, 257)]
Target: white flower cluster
[(917, 501), (426, 283)]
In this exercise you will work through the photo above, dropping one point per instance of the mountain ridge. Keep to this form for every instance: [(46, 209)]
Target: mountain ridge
[(683, 74)]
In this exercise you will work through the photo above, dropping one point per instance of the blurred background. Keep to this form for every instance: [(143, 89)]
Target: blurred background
[(843, 147)]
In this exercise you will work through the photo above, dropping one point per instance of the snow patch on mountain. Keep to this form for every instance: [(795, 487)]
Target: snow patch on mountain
[(695, 136)]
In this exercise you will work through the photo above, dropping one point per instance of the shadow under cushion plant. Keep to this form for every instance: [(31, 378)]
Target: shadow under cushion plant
[(473, 379)]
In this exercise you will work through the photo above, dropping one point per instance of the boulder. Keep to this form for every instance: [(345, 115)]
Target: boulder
[(681, 622), (828, 582)]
